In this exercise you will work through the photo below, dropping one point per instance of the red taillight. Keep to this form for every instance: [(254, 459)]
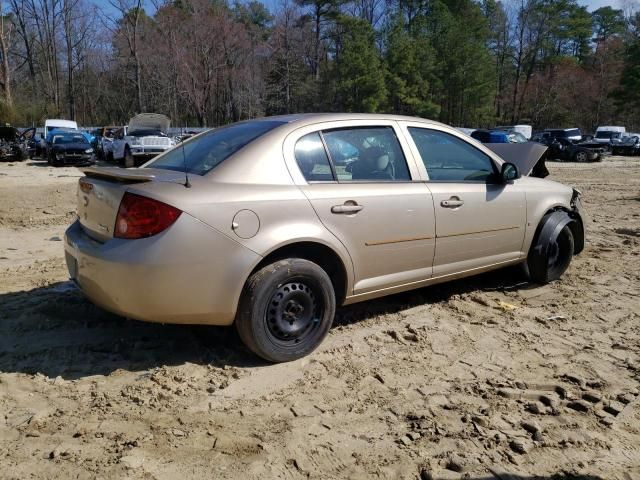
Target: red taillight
[(141, 217)]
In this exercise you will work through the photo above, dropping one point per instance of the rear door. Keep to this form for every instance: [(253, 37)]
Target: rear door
[(479, 222), (366, 191)]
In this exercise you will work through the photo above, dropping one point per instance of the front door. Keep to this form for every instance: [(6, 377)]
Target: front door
[(360, 185), (479, 222)]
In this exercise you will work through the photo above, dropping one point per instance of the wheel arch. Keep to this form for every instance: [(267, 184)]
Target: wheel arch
[(560, 215), (319, 253)]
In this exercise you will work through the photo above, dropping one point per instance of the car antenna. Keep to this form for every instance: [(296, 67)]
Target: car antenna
[(184, 163)]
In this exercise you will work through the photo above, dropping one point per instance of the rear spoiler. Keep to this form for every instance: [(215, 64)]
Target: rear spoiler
[(120, 175)]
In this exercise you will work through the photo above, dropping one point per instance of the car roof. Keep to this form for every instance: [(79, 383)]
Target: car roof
[(301, 119)]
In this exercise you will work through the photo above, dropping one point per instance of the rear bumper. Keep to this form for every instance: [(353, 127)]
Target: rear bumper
[(190, 273)]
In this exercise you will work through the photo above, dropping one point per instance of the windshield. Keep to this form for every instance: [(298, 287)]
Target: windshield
[(146, 133), (62, 139), (201, 154), (604, 134)]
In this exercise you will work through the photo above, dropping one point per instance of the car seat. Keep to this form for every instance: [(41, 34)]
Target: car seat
[(374, 164)]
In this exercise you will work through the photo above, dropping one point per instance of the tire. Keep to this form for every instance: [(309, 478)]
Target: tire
[(110, 158), (581, 157), (128, 159), (286, 310), (557, 256)]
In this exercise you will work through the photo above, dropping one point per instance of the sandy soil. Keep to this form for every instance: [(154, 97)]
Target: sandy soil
[(488, 377)]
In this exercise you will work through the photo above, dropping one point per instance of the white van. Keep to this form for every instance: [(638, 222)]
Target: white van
[(53, 123), (525, 130), (607, 134)]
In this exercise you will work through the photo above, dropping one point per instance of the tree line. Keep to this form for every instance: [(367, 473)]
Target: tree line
[(551, 63)]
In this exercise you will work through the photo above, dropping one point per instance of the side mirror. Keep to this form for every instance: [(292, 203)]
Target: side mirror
[(509, 172)]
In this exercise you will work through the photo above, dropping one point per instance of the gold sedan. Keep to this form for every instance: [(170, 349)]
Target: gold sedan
[(272, 223)]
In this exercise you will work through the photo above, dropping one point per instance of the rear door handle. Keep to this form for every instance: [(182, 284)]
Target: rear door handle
[(346, 208), (453, 202)]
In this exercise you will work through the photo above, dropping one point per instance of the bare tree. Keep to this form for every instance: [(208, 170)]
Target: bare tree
[(6, 28), (128, 26)]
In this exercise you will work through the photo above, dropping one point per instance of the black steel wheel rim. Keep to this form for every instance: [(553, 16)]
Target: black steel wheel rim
[(294, 312), (558, 253)]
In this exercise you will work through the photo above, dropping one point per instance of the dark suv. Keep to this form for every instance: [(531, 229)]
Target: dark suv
[(571, 134)]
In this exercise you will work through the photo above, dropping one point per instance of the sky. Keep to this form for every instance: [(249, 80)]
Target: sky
[(595, 4), (590, 4)]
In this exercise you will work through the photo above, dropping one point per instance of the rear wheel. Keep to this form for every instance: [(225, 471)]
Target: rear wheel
[(549, 258), (286, 310)]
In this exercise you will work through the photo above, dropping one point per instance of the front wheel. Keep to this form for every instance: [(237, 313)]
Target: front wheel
[(549, 258), (286, 310), (581, 157)]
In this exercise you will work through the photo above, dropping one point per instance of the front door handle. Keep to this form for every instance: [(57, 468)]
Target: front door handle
[(453, 202), (346, 208)]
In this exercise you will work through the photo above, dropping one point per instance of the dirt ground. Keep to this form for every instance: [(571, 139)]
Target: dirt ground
[(488, 377)]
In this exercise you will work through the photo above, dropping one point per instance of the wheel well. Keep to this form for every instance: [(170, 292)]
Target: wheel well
[(321, 255), (576, 226)]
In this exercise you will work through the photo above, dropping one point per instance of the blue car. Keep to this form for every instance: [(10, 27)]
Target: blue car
[(498, 136)]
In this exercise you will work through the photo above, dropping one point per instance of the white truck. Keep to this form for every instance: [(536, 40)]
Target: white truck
[(607, 135), (144, 138)]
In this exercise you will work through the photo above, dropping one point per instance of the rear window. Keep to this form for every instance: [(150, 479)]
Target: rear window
[(574, 132), (203, 153)]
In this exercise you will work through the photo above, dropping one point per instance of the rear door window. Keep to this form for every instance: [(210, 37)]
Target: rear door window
[(450, 159), (366, 154)]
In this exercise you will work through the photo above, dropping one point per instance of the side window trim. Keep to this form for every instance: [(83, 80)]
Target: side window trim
[(329, 157), (317, 133)]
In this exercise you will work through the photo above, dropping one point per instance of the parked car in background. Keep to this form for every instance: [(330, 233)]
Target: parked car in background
[(627, 145), (104, 138), (607, 134), (36, 145), (144, 138), (185, 135), (58, 124), (14, 144), (525, 130), (498, 136), (566, 151), (256, 224), (571, 134), (69, 148)]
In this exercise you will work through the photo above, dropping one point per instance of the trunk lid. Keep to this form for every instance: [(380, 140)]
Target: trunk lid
[(101, 190)]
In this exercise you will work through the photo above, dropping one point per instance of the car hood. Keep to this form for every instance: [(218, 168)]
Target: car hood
[(525, 156), (149, 121), (8, 134)]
